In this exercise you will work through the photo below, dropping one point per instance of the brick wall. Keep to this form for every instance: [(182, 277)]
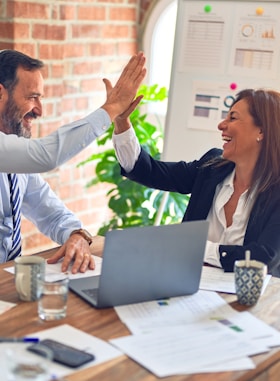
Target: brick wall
[(80, 41)]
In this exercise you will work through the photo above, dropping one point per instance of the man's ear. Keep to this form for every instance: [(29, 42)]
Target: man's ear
[(1, 91)]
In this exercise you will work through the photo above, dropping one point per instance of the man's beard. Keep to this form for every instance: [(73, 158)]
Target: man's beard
[(12, 121)]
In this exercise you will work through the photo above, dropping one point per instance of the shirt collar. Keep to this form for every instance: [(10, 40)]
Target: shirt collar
[(228, 181)]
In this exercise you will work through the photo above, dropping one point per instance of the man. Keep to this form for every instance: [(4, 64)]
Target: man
[(21, 90)]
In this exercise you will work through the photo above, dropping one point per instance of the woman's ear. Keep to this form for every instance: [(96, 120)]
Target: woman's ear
[(260, 137)]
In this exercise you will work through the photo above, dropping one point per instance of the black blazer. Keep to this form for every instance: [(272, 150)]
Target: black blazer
[(262, 235)]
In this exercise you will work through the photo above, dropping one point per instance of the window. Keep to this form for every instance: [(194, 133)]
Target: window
[(158, 40)]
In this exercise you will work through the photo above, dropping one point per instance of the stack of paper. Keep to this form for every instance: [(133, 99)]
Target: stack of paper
[(193, 334), (215, 279)]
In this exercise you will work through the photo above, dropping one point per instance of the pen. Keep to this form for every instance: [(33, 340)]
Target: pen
[(19, 339)]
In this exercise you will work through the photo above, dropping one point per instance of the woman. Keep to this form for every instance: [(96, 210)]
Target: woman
[(237, 189)]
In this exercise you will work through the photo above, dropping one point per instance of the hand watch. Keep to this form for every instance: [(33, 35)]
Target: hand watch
[(85, 234)]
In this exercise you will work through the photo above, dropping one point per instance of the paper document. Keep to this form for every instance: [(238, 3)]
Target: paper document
[(187, 349), (56, 269), (5, 306), (215, 279), (203, 305), (188, 323)]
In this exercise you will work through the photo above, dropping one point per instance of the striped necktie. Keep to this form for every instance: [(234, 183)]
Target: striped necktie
[(14, 196)]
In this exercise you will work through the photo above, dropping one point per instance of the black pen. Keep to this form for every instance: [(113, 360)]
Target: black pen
[(19, 340)]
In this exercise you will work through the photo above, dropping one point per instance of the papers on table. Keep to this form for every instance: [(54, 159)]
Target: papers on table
[(186, 349), (215, 279), (193, 334), (69, 335), (182, 335), (203, 305), (55, 268), (5, 306)]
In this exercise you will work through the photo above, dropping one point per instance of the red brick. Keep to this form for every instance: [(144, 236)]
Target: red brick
[(57, 70), (122, 14), (92, 84), (26, 9), (96, 13), (6, 30), (84, 67), (67, 12), (53, 90), (74, 50), (86, 30), (127, 47), (50, 51), (111, 31), (82, 103), (77, 205), (21, 30), (67, 104), (95, 49), (49, 32)]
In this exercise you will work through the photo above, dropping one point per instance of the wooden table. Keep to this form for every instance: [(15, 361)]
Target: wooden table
[(105, 324)]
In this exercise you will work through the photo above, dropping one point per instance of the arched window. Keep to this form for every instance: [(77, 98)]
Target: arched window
[(158, 40)]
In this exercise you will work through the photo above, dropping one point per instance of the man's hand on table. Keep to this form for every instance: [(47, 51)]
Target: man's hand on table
[(77, 251)]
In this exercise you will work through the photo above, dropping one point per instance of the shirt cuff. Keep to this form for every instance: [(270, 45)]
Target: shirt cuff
[(100, 120), (211, 254), (127, 148)]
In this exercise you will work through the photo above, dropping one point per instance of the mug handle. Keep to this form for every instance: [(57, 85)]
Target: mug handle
[(19, 281)]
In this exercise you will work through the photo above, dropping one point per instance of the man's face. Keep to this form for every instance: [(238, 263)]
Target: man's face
[(19, 108)]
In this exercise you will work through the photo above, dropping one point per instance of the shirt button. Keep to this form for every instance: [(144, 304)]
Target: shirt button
[(224, 254)]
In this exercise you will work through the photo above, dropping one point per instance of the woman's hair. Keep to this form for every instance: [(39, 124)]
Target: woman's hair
[(264, 107), (10, 61)]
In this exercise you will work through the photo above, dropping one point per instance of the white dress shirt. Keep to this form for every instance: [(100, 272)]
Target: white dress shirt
[(127, 149), (219, 233), (21, 155), (40, 205)]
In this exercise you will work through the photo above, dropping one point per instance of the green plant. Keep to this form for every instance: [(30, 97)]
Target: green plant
[(133, 204)]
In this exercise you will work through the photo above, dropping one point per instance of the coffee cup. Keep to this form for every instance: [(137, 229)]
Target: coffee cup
[(27, 269), (249, 277)]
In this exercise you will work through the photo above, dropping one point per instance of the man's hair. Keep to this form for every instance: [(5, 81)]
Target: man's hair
[(10, 61)]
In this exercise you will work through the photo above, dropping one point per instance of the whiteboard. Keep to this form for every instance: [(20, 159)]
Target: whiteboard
[(218, 51)]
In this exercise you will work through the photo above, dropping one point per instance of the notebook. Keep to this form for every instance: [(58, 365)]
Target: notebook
[(146, 263)]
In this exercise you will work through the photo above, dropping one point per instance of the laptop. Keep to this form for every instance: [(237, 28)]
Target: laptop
[(146, 263)]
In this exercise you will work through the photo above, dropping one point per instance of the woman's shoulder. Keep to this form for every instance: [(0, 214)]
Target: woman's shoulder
[(214, 154)]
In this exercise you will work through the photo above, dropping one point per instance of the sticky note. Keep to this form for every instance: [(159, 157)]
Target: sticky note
[(259, 11), (207, 8)]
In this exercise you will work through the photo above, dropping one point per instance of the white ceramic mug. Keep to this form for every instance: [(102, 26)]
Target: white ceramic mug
[(27, 269)]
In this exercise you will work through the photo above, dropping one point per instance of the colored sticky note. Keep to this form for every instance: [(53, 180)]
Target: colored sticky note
[(259, 11)]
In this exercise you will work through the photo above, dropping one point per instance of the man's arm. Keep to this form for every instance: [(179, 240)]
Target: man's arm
[(44, 154)]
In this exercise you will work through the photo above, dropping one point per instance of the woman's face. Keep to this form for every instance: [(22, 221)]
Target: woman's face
[(242, 137)]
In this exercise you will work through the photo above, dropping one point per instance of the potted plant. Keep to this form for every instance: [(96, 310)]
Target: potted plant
[(133, 204)]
